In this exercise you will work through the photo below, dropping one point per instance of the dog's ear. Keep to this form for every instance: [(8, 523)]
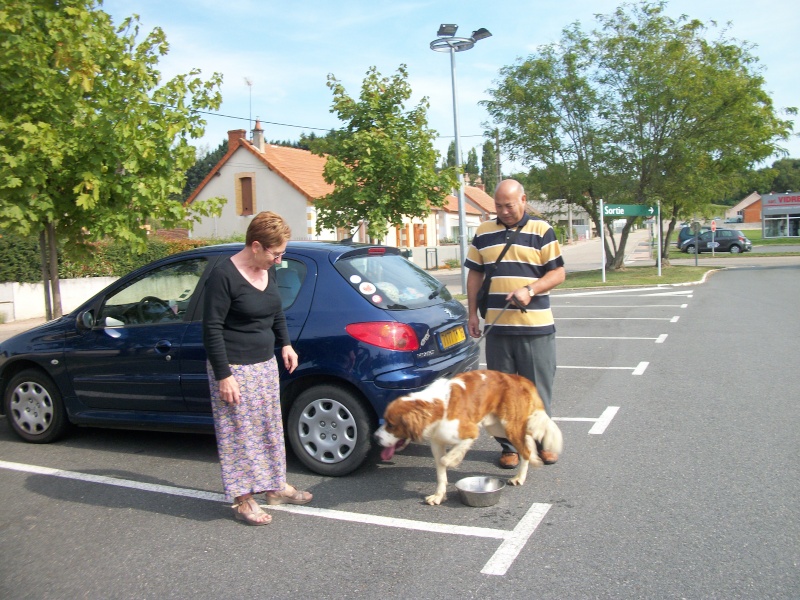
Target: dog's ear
[(414, 420)]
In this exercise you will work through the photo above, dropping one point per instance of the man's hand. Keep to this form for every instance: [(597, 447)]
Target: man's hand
[(474, 326)]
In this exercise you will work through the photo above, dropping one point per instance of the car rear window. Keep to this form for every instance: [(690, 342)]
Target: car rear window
[(391, 282)]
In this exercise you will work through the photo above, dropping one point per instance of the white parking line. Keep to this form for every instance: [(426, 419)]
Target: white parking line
[(659, 340), (501, 561), (662, 291), (637, 370), (511, 547), (562, 306), (604, 421), (670, 319), (600, 423)]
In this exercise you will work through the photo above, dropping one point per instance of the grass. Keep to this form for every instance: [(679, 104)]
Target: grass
[(631, 276), (635, 276)]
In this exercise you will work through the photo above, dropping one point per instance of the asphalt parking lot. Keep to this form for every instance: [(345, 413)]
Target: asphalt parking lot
[(636, 507)]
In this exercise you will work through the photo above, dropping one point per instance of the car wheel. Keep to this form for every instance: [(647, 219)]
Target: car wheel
[(689, 249), (34, 408), (330, 430), (735, 249)]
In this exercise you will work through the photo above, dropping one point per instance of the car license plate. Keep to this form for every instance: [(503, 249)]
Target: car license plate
[(451, 337)]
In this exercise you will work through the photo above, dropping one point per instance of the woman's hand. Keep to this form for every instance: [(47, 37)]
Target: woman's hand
[(289, 358), (229, 390)]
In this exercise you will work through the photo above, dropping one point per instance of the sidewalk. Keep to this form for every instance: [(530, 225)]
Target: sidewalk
[(11, 329)]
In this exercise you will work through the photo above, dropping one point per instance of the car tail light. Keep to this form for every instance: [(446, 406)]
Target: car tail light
[(385, 334), (374, 251)]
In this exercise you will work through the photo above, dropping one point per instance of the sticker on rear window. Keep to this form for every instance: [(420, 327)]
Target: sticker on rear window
[(377, 299), (367, 288), (355, 279)]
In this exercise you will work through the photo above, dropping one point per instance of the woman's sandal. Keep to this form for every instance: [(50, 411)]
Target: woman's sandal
[(287, 497), (250, 512)]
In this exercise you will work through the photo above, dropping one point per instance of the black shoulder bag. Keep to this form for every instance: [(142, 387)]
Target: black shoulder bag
[(483, 293)]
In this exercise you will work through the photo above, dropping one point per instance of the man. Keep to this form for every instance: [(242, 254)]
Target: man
[(519, 343)]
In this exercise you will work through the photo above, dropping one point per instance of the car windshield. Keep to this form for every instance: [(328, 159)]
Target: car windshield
[(391, 282)]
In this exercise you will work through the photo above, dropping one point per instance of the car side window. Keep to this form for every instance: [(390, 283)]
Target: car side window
[(159, 296), (290, 274)]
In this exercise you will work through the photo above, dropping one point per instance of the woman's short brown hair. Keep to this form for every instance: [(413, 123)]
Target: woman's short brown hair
[(268, 229)]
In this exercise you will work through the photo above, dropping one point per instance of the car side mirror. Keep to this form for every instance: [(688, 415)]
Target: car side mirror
[(86, 320)]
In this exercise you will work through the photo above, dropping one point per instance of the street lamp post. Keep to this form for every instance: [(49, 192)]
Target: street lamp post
[(447, 42)]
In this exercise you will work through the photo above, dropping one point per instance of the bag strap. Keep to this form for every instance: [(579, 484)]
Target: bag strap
[(488, 278)]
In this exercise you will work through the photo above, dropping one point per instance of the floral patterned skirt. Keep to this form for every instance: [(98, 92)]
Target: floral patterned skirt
[(250, 434)]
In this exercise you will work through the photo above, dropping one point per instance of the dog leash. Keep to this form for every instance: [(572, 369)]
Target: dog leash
[(489, 328)]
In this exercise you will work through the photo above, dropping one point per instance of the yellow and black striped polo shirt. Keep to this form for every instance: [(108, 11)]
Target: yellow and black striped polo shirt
[(535, 252)]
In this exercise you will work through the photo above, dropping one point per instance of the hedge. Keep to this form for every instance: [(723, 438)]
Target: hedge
[(20, 258)]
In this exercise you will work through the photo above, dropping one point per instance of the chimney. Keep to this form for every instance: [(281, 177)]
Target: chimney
[(258, 136), (234, 136)]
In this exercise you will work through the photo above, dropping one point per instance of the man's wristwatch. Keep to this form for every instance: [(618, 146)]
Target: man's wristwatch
[(530, 290)]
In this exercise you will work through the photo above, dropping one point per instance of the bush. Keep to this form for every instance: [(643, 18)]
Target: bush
[(20, 261)]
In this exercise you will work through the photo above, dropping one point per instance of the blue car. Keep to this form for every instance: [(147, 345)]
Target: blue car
[(367, 324)]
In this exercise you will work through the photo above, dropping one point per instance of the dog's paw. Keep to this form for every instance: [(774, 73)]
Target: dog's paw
[(435, 499), (451, 462), (516, 480)]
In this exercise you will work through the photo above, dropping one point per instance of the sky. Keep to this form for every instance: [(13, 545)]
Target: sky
[(286, 50)]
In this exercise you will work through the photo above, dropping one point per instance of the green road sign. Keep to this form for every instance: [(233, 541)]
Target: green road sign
[(628, 210)]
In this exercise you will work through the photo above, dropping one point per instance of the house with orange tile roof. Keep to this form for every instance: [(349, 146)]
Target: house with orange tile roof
[(254, 176)]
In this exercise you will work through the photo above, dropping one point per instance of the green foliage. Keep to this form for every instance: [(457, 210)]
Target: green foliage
[(452, 263), (198, 171), (320, 145), (383, 163), (489, 173), (642, 109), (90, 140), (19, 257), (449, 161), (472, 163), (787, 176)]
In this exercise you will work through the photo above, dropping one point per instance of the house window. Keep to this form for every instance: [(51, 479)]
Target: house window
[(245, 194), (420, 235)]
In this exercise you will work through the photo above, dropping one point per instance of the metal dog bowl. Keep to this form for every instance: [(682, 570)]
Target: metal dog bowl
[(480, 491)]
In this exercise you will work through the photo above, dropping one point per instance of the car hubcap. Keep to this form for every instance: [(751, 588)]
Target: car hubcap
[(327, 431), (32, 407)]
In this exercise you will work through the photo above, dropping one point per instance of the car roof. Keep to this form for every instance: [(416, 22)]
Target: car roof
[(335, 249)]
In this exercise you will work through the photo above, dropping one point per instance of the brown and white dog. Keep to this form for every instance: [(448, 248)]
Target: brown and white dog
[(450, 412)]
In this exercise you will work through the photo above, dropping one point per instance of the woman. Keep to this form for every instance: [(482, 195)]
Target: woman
[(243, 323)]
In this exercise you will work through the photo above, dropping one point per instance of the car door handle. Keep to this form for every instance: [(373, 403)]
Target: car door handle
[(163, 346)]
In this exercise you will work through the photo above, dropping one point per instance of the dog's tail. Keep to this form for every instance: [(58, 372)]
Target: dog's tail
[(545, 431)]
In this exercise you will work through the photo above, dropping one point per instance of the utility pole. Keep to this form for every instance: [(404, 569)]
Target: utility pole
[(249, 83)]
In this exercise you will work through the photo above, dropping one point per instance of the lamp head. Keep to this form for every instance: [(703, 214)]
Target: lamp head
[(480, 34), (446, 29)]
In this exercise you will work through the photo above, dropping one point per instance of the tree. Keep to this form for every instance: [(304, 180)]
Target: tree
[(471, 168), (198, 171), (383, 164), (489, 172), (640, 110), (450, 161), (787, 177), (90, 145)]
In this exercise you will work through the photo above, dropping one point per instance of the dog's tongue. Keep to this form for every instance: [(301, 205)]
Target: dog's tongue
[(388, 453)]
